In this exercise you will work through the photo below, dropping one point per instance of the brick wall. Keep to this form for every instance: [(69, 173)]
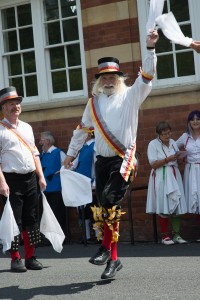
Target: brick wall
[(109, 35), (143, 226)]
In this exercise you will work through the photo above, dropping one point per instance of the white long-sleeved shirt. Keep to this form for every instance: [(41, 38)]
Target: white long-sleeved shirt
[(119, 111), (191, 145), (15, 157)]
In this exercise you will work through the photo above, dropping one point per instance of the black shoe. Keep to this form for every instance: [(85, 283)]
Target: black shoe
[(101, 257), (18, 266), (33, 264), (112, 267)]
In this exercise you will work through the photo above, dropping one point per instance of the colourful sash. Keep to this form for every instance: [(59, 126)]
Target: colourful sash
[(129, 161), (22, 140)]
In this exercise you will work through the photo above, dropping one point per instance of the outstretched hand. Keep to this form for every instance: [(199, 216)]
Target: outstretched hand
[(152, 38), (196, 46)]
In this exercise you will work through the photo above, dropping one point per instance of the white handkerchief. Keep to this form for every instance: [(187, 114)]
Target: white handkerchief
[(50, 227), (171, 29), (155, 10), (76, 188), (172, 190), (8, 227)]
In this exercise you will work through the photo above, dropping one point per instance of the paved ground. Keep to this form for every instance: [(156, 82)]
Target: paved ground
[(151, 272)]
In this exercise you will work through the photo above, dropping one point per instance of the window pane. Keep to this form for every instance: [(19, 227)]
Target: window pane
[(163, 45), (31, 86), (70, 30), (26, 38), (165, 67), (59, 82), (165, 8), (57, 58), (75, 78), (185, 64), (10, 41), (53, 34), (8, 18), (180, 10), (51, 10), (29, 62), (74, 55), (24, 15), (68, 8), (14, 65), (17, 82)]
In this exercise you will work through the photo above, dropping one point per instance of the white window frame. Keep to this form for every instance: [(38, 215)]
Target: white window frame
[(183, 82), (45, 97)]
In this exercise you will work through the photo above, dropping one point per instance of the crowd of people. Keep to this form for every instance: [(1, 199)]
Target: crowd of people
[(112, 113)]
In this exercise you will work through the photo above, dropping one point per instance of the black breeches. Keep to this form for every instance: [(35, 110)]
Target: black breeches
[(23, 198), (110, 185)]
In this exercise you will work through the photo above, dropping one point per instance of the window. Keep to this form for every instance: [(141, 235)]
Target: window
[(42, 50), (177, 65)]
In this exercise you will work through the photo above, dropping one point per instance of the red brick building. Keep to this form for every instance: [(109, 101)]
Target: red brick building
[(49, 51)]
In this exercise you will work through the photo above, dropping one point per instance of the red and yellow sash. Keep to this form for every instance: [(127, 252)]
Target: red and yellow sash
[(20, 138), (129, 161)]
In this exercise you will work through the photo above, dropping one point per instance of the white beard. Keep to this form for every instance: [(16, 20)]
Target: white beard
[(109, 90)]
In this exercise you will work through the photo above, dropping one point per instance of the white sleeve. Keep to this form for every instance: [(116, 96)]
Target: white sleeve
[(80, 135), (62, 156), (152, 152), (149, 64), (142, 86), (181, 140)]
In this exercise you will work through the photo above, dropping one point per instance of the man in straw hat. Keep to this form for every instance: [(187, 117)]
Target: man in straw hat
[(113, 111), (19, 164)]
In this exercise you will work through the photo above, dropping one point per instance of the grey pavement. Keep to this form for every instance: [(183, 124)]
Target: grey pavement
[(150, 272)]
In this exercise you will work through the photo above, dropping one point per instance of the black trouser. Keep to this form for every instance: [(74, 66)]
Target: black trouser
[(23, 198), (110, 185)]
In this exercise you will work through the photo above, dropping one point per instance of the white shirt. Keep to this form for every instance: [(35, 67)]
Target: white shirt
[(119, 111), (192, 146), (15, 157), (158, 151)]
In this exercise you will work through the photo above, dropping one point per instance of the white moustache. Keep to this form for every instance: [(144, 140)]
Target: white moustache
[(108, 86)]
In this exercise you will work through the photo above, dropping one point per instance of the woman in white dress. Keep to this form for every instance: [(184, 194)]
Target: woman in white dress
[(190, 141), (165, 195)]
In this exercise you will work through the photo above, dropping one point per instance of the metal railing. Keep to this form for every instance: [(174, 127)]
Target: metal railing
[(130, 215)]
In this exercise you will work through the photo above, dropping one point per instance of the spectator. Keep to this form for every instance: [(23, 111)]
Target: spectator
[(190, 141), (165, 195), (51, 161)]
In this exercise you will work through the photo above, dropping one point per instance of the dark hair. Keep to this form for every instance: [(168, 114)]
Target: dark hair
[(162, 126), (191, 116), (91, 134)]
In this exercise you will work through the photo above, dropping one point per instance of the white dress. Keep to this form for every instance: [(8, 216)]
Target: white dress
[(191, 180), (165, 190)]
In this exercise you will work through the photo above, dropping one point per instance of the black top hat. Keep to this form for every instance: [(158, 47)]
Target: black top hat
[(8, 94), (108, 65)]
